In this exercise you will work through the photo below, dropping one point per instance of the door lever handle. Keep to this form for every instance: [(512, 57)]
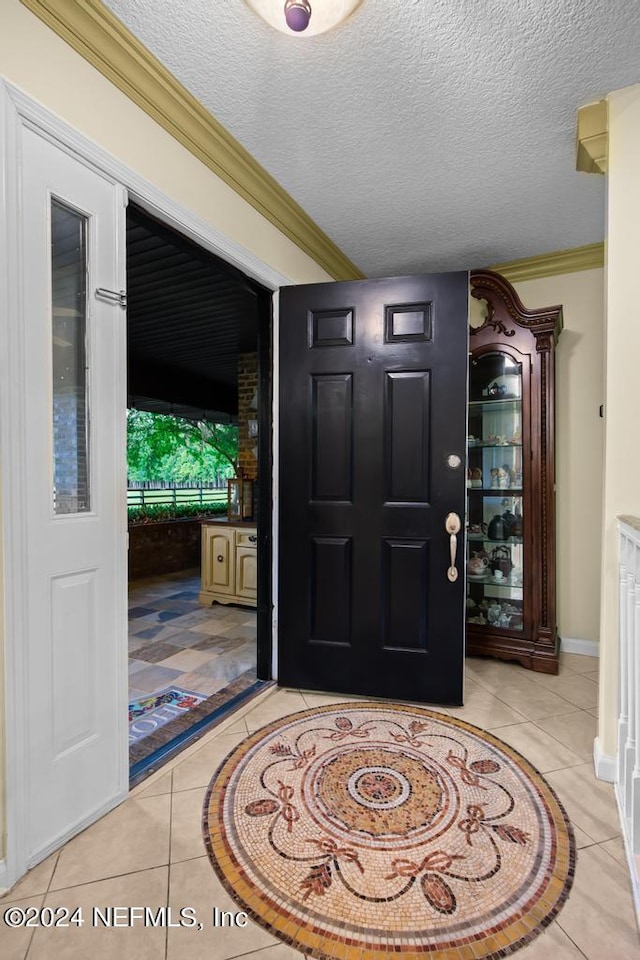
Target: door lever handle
[(452, 526)]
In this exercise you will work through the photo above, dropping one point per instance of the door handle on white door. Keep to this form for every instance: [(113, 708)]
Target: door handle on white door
[(452, 526)]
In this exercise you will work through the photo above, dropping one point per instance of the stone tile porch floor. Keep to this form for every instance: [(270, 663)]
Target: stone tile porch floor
[(174, 641), (149, 850)]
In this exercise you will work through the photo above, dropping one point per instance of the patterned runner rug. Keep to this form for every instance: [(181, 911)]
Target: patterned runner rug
[(366, 830)]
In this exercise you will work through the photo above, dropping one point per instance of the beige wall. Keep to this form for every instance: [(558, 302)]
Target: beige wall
[(579, 443), (33, 58), (622, 398)]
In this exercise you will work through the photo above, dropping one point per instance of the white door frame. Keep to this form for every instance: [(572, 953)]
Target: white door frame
[(16, 109)]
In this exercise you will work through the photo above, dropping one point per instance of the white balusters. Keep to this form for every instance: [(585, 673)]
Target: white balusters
[(628, 774), (623, 692)]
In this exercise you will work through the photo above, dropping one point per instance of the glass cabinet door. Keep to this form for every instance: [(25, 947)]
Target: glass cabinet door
[(495, 502)]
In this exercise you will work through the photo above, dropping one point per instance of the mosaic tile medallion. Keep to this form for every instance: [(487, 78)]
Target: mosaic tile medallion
[(364, 830)]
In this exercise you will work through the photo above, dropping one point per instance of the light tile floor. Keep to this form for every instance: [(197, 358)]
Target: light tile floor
[(149, 851)]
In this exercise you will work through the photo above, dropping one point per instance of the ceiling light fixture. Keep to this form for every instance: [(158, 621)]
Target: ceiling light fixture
[(304, 18)]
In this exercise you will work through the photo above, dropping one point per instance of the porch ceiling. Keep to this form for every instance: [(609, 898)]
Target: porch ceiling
[(189, 316)]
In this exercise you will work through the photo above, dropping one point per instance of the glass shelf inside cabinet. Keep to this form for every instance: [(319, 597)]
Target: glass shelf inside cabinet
[(495, 494)]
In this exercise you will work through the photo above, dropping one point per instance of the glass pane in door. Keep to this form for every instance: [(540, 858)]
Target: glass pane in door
[(69, 358)]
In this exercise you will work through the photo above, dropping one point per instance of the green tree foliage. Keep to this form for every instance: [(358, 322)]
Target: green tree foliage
[(163, 447)]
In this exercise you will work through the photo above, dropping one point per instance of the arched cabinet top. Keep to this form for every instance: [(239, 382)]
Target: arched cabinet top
[(506, 309)]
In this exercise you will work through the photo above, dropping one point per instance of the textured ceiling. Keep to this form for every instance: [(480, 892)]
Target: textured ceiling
[(422, 134)]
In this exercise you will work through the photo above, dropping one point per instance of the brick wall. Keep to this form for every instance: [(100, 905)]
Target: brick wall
[(70, 474), (247, 387), (163, 547)]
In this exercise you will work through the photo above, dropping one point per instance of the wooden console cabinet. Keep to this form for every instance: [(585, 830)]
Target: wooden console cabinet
[(229, 564)]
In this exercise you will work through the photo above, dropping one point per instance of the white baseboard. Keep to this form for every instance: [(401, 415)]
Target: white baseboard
[(588, 648), (604, 764)]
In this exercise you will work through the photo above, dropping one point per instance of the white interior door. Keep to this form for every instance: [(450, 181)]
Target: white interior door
[(75, 404)]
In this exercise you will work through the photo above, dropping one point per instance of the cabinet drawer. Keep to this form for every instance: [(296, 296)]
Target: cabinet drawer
[(246, 538)]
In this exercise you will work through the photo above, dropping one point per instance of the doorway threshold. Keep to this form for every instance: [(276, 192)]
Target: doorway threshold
[(143, 768)]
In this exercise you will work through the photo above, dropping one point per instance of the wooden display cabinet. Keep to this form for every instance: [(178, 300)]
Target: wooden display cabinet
[(510, 536)]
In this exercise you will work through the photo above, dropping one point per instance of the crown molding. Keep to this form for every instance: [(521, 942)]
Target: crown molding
[(592, 138), (95, 33), (589, 257)]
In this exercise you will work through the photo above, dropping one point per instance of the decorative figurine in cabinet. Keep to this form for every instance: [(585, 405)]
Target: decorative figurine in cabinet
[(510, 536)]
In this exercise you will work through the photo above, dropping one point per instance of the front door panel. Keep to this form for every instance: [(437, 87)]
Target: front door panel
[(372, 411)]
